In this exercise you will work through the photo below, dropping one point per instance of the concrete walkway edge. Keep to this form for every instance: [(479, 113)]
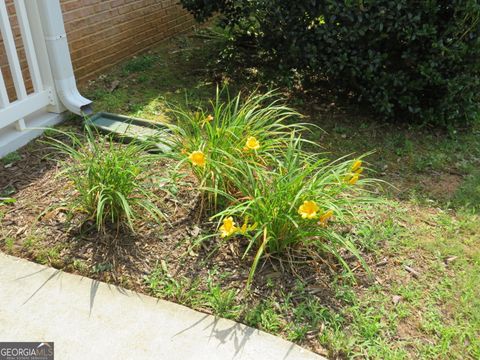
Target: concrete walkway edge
[(87, 319)]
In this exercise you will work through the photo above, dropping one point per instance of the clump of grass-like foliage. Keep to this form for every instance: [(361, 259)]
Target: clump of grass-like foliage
[(251, 129), (113, 181), (279, 197), (296, 206)]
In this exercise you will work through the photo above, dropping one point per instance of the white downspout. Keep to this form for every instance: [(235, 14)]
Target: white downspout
[(59, 55)]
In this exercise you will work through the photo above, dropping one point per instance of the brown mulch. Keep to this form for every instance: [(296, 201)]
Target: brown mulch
[(40, 215), (40, 224)]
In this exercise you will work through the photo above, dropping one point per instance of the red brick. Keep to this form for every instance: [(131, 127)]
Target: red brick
[(104, 32)]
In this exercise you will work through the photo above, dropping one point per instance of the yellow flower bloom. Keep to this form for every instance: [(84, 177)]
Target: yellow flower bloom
[(359, 171), (252, 144), (206, 120), (244, 228), (325, 217), (197, 158), (356, 165), (353, 180), (308, 210), (228, 228)]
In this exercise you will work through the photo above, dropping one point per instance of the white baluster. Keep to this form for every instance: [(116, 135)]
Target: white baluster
[(28, 45), (12, 56)]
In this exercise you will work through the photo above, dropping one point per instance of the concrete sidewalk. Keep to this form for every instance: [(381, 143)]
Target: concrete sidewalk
[(87, 319)]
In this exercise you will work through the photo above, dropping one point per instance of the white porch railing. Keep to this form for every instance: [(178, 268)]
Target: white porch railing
[(44, 42)]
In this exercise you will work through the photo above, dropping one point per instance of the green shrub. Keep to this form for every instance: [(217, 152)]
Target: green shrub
[(113, 183), (407, 59)]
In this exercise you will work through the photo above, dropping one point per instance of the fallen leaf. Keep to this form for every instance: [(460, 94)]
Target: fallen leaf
[(449, 259), (412, 271), (113, 85), (396, 299), (195, 231)]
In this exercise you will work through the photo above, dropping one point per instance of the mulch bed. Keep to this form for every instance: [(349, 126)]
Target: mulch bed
[(38, 222), (40, 216)]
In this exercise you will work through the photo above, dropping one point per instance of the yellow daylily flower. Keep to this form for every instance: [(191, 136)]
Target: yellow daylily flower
[(252, 143), (244, 228), (359, 171), (197, 158), (206, 120), (308, 210), (353, 180), (228, 228), (247, 227), (356, 165), (325, 217)]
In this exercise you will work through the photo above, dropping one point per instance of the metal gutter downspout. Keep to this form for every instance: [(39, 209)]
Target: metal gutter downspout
[(59, 56)]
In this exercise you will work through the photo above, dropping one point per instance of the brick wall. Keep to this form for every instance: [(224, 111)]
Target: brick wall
[(102, 33)]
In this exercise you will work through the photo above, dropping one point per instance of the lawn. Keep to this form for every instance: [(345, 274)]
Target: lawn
[(421, 240)]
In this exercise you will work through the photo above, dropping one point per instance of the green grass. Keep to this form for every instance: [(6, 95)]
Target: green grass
[(9, 244), (468, 193), (11, 158), (429, 221), (181, 290), (190, 293), (436, 317), (222, 302), (147, 85), (31, 241), (79, 265), (102, 267), (49, 255), (32, 247), (266, 316), (139, 64)]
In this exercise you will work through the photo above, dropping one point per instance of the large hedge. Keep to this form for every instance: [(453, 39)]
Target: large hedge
[(406, 58)]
